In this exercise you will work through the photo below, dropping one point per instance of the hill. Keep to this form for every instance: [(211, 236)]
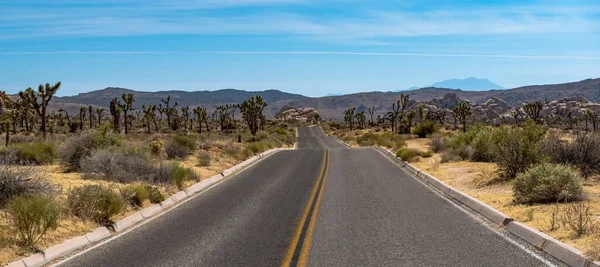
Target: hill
[(468, 84), (333, 106)]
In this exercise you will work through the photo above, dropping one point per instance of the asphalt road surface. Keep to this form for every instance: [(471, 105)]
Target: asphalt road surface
[(320, 205)]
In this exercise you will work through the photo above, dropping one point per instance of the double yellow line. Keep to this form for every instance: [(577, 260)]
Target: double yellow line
[(297, 252)]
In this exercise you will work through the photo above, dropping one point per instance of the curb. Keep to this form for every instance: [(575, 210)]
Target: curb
[(543, 242), (101, 233)]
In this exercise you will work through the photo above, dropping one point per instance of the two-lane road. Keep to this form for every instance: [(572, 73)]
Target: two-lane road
[(320, 205)]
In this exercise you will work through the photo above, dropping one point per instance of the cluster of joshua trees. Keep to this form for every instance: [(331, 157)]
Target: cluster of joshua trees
[(30, 112)]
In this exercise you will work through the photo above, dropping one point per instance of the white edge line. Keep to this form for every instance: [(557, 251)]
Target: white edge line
[(101, 243), (535, 254)]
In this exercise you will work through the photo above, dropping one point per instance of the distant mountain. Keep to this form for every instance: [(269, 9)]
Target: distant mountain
[(209, 99), (468, 84), (331, 106), (334, 94)]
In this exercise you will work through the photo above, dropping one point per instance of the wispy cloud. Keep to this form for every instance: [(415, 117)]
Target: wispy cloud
[(279, 17), (324, 53)]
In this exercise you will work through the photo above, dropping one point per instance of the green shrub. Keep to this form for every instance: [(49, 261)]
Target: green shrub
[(117, 164), (174, 172), (426, 154), (94, 202), (21, 181), (180, 146), (387, 139), (204, 158), (156, 147), (254, 148), (31, 153), (425, 128), (407, 154), (33, 216), (547, 183), (135, 194), (483, 149), (80, 146), (583, 152), (437, 145), (280, 131), (517, 149), (154, 194)]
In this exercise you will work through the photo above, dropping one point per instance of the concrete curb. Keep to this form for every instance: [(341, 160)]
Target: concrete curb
[(128, 221), (544, 242), (98, 234), (150, 211), (66, 247)]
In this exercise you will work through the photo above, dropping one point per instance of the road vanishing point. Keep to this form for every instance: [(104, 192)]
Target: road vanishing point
[(323, 204)]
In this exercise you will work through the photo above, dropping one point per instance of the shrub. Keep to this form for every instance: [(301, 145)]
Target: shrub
[(35, 153), (426, 155), (254, 148), (407, 154), (81, 146), (280, 131), (579, 218), (547, 183), (135, 194), (204, 158), (74, 149), (156, 147), (33, 216), (463, 152), (180, 146), (516, 149), (437, 145), (482, 147), (154, 194), (116, 164), (176, 174), (583, 152), (425, 128), (21, 181), (94, 202)]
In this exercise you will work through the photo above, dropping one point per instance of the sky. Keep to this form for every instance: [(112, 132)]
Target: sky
[(311, 47)]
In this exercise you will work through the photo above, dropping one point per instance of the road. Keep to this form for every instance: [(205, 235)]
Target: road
[(320, 205)]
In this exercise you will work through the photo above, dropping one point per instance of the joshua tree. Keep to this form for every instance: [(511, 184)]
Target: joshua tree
[(349, 117), (371, 111), (462, 111), (149, 115), (361, 119), (252, 112), (115, 112), (99, 113), (392, 116), (39, 101), (533, 110), (421, 110), (201, 117), (91, 116), (168, 110), (223, 114), (590, 115), (126, 107), (82, 111), (185, 114)]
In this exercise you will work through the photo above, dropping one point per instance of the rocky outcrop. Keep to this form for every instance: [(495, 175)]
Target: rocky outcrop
[(576, 105), (299, 114)]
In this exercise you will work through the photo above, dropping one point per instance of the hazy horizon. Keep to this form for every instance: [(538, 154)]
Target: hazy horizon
[(306, 47)]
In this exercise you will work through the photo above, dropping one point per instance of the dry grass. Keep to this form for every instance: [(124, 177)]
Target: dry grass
[(473, 178)]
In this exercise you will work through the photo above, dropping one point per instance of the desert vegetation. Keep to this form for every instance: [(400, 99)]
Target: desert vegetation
[(62, 175), (540, 169)]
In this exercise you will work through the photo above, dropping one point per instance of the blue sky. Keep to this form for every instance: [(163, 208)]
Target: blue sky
[(313, 47)]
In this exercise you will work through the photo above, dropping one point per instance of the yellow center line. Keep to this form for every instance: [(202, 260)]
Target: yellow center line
[(313, 221), (287, 260)]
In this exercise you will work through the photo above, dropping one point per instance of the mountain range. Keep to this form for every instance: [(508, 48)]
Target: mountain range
[(330, 106)]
